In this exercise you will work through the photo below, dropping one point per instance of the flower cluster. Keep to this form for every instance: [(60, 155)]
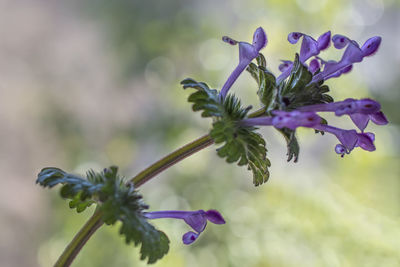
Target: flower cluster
[(361, 111), (195, 219)]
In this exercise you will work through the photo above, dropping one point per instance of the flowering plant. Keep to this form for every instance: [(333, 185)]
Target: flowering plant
[(291, 100)]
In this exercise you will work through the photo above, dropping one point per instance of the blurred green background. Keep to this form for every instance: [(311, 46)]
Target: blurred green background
[(86, 84)]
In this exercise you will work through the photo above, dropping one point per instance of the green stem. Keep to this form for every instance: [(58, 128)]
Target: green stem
[(171, 159), (95, 221), (79, 240)]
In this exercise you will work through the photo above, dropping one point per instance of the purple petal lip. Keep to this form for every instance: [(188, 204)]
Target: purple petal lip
[(340, 41), (366, 141), (371, 46), (215, 217), (379, 118), (294, 37), (285, 65), (259, 39), (341, 150), (189, 237)]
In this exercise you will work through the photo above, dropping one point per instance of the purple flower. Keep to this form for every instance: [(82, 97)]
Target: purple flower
[(291, 120), (349, 139), (247, 52), (309, 47), (360, 111), (352, 54), (195, 219)]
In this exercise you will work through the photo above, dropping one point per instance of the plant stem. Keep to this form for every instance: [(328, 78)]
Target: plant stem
[(171, 159), (79, 240), (95, 221)]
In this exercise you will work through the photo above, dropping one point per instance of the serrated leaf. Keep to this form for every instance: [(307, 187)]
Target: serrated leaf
[(154, 243), (240, 144), (298, 91)]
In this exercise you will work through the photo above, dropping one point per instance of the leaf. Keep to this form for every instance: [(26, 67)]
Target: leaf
[(298, 91), (136, 229), (266, 81), (239, 143), (267, 91), (298, 79), (204, 99), (73, 187), (293, 148), (117, 200)]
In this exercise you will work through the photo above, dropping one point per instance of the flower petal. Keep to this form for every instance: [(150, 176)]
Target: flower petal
[(371, 46), (379, 118), (197, 220), (324, 41), (309, 48), (314, 66), (189, 237), (215, 217), (285, 65), (294, 37), (340, 41), (360, 120), (341, 150), (366, 141), (259, 39), (229, 40)]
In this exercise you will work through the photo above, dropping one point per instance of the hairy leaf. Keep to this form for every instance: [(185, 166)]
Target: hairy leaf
[(239, 143)]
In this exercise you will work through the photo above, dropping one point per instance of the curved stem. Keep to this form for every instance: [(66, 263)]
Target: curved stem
[(79, 240), (171, 159)]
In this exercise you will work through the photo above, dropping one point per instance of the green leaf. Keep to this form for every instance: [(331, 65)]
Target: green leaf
[(239, 143), (117, 201), (261, 62), (204, 99), (298, 91), (267, 91), (293, 148), (266, 82), (136, 229), (298, 79)]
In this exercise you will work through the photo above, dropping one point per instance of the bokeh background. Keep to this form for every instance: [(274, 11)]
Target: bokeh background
[(86, 84)]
